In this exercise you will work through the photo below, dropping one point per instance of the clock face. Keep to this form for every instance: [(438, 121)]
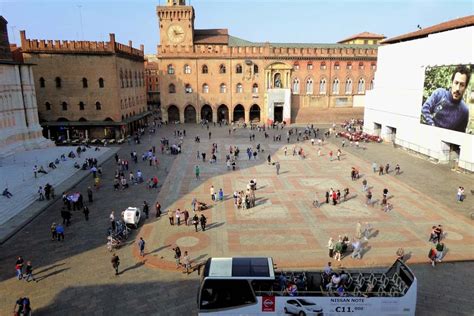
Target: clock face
[(176, 33)]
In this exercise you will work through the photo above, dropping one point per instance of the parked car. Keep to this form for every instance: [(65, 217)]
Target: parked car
[(302, 307), (131, 216)]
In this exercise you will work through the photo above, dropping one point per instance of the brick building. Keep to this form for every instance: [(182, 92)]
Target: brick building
[(152, 82), (209, 74), (19, 124), (87, 89)]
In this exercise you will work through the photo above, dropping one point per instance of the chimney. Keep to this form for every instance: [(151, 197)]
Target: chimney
[(142, 47), (112, 38), (130, 43)]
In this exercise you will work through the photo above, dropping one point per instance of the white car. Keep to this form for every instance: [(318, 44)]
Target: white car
[(302, 307), (131, 216)]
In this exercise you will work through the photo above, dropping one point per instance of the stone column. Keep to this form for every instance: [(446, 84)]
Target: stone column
[(214, 115), (181, 116), (247, 115), (49, 133), (87, 134), (67, 133)]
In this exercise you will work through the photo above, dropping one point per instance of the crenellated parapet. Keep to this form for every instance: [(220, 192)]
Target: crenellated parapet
[(80, 47)]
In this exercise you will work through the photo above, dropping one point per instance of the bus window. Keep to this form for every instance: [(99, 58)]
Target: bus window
[(217, 294)]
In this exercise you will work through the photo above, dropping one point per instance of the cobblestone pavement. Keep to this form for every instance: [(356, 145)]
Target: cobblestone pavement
[(76, 277)]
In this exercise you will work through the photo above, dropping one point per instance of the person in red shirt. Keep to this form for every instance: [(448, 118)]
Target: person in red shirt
[(334, 197)]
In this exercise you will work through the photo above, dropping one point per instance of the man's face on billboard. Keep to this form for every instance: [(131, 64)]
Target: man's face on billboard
[(458, 86)]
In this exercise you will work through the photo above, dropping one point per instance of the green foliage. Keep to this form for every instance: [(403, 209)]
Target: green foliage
[(437, 77)]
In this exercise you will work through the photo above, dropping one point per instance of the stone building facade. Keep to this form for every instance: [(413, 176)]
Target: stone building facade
[(209, 74), (19, 124), (152, 80), (87, 89)]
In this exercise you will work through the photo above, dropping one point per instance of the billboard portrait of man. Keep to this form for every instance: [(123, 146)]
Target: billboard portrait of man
[(445, 107)]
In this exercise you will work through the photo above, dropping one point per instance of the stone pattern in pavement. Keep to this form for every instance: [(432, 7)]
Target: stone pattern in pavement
[(76, 276)]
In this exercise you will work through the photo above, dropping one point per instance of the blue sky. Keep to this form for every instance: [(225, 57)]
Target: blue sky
[(311, 21)]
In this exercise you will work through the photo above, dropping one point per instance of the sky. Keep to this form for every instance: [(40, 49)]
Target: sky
[(302, 21)]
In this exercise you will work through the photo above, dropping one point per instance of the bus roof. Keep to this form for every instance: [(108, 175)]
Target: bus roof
[(244, 267)]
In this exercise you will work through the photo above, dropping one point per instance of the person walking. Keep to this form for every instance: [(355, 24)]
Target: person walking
[(177, 256), (41, 193), (171, 217), (60, 232), (439, 251), (186, 217), (331, 247), (19, 267), (338, 250), (54, 235), (357, 248), (178, 217), (211, 191), (146, 209), (397, 169), (195, 222), (89, 194), (269, 159), (112, 220), (358, 232), (158, 209), (374, 167), (277, 166), (203, 221), (115, 263), (186, 262), (141, 247), (85, 210), (197, 172), (29, 272)]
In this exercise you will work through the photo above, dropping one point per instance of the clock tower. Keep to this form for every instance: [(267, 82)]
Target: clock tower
[(176, 23)]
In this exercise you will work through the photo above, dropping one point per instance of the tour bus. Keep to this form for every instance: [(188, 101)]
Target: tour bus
[(252, 286)]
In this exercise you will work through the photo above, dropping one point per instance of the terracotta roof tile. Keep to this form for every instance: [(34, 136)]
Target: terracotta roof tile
[(442, 27), (211, 36), (363, 35)]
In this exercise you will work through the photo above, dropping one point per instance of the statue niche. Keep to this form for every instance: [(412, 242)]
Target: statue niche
[(277, 80)]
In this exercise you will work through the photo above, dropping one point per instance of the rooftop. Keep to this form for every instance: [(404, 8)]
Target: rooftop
[(365, 35), (442, 27)]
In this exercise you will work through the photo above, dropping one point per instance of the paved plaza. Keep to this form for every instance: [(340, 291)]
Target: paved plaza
[(76, 277)]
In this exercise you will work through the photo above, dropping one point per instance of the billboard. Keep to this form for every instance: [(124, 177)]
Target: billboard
[(448, 98)]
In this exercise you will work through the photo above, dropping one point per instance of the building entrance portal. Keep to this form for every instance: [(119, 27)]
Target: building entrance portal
[(206, 113), (278, 114), (254, 113)]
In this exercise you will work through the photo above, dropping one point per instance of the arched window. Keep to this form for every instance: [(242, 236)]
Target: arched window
[(349, 65), (348, 86), (336, 65), (84, 82), (255, 69), (188, 88), (309, 86), (64, 106), (296, 86), (204, 70), (121, 78), (101, 82), (361, 86), (296, 65), (223, 88), (239, 88), (42, 82), (371, 87), (131, 78), (126, 79), (361, 65), (81, 106), (222, 69), (205, 88), (98, 106), (121, 105), (47, 105), (238, 69), (171, 88), (187, 69), (373, 66), (58, 82), (309, 66), (335, 86), (322, 86), (170, 69), (255, 88), (323, 65), (136, 79)]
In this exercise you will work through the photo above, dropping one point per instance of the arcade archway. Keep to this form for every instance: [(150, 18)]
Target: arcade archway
[(254, 114), (223, 113), (190, 114), (173, 114), (239, 113), (206, 113)]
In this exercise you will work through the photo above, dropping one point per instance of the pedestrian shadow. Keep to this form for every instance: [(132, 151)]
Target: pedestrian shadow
[(407, 256), (214, 225), (49, 268), (373, 234), (350, 197), (397, 174), (260, 201), (391, 196), (200, 257), (51, 274), (283, 172), (135, 266), (158, 249), (364, 251)]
